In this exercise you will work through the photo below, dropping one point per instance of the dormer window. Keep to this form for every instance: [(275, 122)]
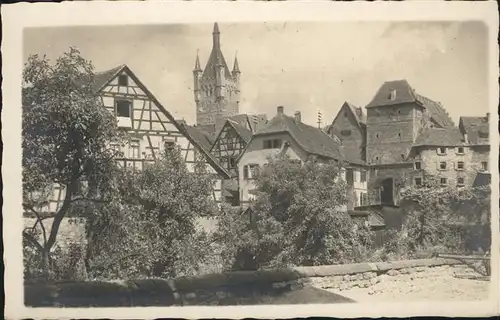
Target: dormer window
[(123, 80), (123, 108), (392, 95), (441, 150)]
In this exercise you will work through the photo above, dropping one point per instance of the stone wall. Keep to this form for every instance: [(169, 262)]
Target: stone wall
[(231, 287)]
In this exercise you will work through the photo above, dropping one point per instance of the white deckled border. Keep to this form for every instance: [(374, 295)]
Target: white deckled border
[(19, 16)]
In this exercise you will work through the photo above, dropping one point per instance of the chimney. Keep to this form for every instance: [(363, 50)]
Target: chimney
[(280, 110), (298, 117)]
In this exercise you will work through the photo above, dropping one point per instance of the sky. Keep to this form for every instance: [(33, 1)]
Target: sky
[(303, 66)]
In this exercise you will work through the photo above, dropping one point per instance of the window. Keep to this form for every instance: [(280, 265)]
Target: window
[(442, 165), (169, 145), (363, 176), (123, 108), (250, 171), (272, 144), (345, 132), (441, 150), (364, 199), (134, 149), (418, 181), (402, 156), (460, 150), (377, 135), (443, 181), (460, 181), (418, 165), (232, 162), (460, 165), (484, 166), (123, 80), (483, 134)]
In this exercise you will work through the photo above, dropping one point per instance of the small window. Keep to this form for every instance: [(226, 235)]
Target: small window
[(418, 165), (460, 150), (483, 134), (442, 165), (418, 181), (402, 156), (399, 111), (377, 135), (442, 150), (484, 166), (232, 162), (276, 144), (345, 132), (460, 165), (460, 181), (169, 145), (272, 144), (363, 176), (123, 80), (443, 181), (123, 108), (399, 134), (245, 172)]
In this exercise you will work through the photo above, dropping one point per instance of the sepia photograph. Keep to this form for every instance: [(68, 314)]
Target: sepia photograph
[(256, 163)]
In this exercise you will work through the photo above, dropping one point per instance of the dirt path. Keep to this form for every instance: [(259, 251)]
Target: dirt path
[(441, 288)]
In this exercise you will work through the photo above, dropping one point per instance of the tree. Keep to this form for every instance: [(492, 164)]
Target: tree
[(297, 218), (150, 229), (66, 133)]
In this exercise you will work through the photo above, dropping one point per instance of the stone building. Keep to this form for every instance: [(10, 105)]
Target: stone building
[(216, 89), (405, 135)]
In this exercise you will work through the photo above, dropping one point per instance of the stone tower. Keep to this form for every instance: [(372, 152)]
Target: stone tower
[(216, 89)]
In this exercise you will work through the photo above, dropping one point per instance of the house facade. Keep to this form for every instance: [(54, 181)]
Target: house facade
[(288, 135), (151, 130)]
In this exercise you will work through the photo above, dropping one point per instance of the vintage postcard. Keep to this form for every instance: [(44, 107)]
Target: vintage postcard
[(268, 160)]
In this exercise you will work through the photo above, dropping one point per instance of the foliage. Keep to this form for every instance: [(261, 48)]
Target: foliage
[(296, 219), (150, 227), (443, 218), (65, 136)]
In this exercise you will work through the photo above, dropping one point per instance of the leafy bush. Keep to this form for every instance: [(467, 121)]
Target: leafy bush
[(297, 218)]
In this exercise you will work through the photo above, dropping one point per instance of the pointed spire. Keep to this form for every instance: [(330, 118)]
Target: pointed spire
[(236, 67), (216, 36), (197, 66)]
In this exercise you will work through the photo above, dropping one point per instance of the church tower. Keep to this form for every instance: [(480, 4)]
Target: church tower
[(216, 89)]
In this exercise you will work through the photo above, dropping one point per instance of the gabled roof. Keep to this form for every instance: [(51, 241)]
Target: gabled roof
[(439, 137), (110, 74), (242, 131), (404, 93), (199, 136), (310, 139), (476, 128), (357, 113), (104, 77)]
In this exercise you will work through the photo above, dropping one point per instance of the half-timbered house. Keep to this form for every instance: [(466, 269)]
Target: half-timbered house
[(151, 129)]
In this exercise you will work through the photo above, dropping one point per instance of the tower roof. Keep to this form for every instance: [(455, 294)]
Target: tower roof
[(197, 66), (236, 67), (216, 57)]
